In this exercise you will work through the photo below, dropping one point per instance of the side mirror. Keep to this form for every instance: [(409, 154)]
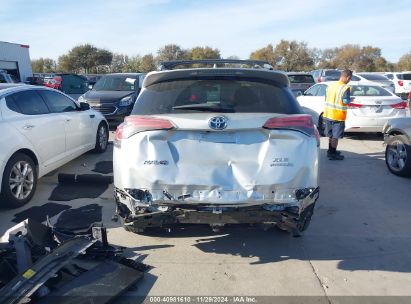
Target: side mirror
[(84, 106)]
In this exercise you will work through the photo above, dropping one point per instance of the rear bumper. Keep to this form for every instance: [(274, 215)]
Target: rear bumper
[(288, 215), (363, 124)]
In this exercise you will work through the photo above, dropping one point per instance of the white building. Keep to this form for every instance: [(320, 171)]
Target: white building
[(15, 60)]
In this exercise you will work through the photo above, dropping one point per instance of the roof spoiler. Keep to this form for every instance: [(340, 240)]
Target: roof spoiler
[(255, 64)]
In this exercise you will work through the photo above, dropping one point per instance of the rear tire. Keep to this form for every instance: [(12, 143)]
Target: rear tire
[(101, 138), (19, 181), (398, 155)]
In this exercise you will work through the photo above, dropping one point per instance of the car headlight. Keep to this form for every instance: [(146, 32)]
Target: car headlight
[(126, 101), (82, 99)]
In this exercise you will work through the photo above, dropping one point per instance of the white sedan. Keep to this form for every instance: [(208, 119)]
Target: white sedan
[(371, 107), (42, 129)]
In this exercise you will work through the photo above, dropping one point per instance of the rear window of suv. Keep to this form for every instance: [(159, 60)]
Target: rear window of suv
[(216, 95), (406, 76), (301, 78)]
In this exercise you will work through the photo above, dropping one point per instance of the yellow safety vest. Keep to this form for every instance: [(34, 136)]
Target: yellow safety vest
[(335, 108)]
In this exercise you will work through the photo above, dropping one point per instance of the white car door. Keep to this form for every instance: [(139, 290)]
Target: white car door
[(80, 133), (313, 101), (44, 130), (314, 98)]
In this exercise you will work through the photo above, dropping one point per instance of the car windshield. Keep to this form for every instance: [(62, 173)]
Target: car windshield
[(361, 90), (216, 95), (374, 77), (301, 78), (116, 83)]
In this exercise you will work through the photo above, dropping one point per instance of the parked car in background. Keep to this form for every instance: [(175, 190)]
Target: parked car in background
[(379, 79), (300, 82), (35, 80), (402, 82), (183, 155), (114, 95), (42, 129), (371, 107), (397, 137), (92, 79), (326, 75), (71, 84), (5, 77)]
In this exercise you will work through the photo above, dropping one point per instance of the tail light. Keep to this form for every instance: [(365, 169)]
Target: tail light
[(136, 124), (302, 123), (400, 105), (354, 105), (400, 83), (319, 79)]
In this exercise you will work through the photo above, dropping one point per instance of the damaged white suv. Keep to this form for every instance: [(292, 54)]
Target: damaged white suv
[(216, 146)]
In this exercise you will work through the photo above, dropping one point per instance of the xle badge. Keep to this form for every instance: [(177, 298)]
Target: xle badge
[(281, 162)]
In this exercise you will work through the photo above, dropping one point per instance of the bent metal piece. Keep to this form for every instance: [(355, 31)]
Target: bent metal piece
[(23, 286), (93, 270)]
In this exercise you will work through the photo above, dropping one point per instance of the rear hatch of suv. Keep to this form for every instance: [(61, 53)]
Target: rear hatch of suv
[(216, 137)]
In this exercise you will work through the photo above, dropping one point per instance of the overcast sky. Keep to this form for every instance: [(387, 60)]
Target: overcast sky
[(235, 27)]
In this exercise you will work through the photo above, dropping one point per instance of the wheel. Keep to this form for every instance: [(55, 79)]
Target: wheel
[(321, 126), (398, 155), (101, 138), (19, 181)]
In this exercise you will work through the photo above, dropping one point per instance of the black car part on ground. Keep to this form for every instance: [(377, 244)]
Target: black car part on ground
[(290, 218), (35, 265)]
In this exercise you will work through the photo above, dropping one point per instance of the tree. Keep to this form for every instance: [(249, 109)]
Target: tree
[(355, 57), (265, 54), (86, 58), (147, 63), (65, 64), (198, 53), (172, 52), (404, 64), (327, 58), (293, 56), (43, 65), (348, 57), (118, 62), (133, 64)]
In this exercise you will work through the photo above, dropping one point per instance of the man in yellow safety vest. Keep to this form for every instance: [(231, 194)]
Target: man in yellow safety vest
[(337, 98)]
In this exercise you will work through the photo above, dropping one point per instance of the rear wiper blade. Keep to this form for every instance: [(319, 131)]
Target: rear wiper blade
[(204, 107)]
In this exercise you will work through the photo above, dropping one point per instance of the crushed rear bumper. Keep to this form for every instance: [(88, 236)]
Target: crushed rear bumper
[(289, 217)]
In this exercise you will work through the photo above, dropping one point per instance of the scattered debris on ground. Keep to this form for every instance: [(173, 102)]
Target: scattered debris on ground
[(43, 264)]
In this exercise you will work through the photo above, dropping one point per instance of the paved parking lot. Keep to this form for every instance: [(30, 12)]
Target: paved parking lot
[(358, 243)]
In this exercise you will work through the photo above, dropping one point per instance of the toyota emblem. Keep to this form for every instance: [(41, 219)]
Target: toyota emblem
[(218, 123)]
